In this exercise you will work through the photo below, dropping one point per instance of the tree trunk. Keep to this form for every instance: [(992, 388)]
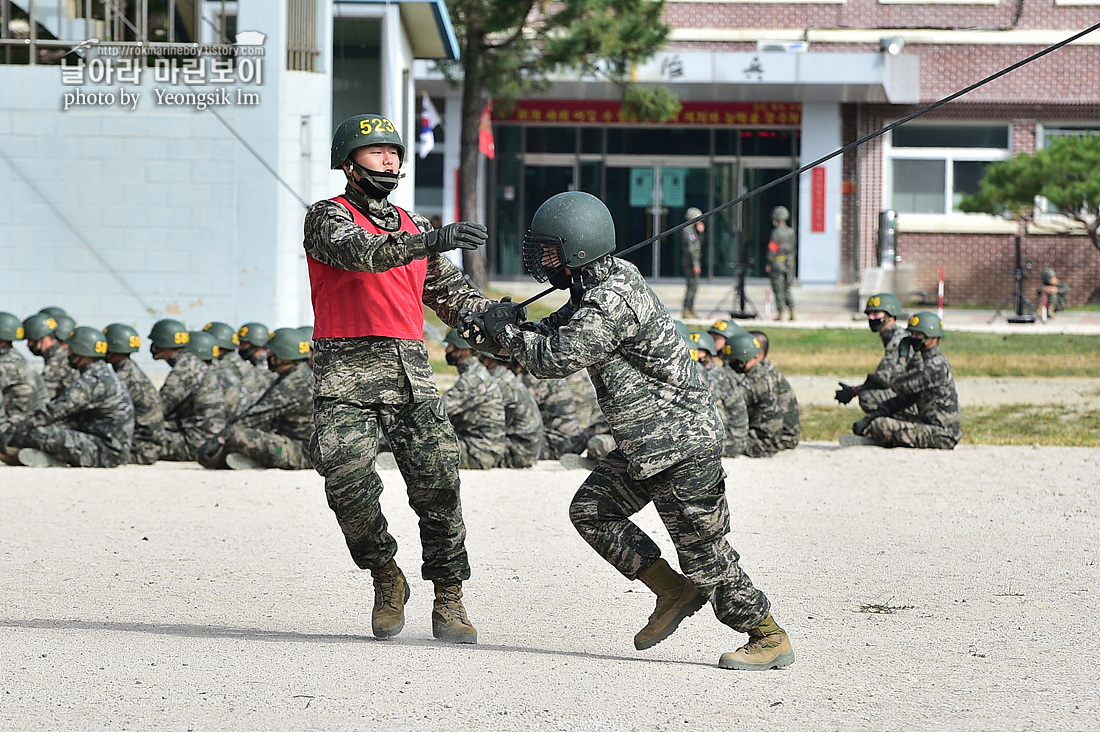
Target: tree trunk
[(472, 261)]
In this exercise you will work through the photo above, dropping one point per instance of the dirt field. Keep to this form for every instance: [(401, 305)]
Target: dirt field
[(922, 590)]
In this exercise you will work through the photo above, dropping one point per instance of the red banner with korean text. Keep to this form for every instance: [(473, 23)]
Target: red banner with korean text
[(610, 112)]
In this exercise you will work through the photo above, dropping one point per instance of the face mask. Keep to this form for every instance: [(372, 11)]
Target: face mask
[(916, 344), (876, 325), (451, 358), (377, 183), (738, 367)]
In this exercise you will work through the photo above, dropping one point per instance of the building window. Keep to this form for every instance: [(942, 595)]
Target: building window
[(301, 39), (932, 166), (1048, 134)]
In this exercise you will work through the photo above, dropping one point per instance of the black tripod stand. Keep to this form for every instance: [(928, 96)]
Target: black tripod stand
[(741, 300), (1021, 301)]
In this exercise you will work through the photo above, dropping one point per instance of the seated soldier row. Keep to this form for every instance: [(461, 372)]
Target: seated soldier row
[(94, 407)]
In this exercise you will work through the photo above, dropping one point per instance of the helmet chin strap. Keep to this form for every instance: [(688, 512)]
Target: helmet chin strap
[(385, 183)]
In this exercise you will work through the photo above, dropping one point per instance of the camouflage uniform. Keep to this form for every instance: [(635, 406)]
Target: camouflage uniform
[(149, 433), (667, 428), (57, 374), (276, 430), (691, 257), (193, 398), (89, 425), (782, 248), (21, 387), (558, 409), (475, 406), (253, 381), (773, 411), (523, 431), (876, 389), (731, 407), (366, 385), (928, 386)]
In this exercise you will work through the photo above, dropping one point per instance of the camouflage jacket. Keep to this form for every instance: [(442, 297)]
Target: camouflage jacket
[(475, 407), (286, 408), (928, 385), (782, 247), (659, 410), (98, 404), (731, 407), (21, 387), (557, 407), (773, 411), (148, 411), (236, 399), (253, 381), (875, 388), (57, 374), (193, 399), (379, 370), (691, 249), (522, 421)]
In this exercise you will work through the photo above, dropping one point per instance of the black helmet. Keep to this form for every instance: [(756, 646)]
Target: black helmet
[(224, 334), (570, 229), (11, 327), (87, 341), (289, 344), (255, 333), (885, 302), (927, 323), (360, 131), (38, 326), (121, 338), (169, 333), (203, 345), (65, 327)]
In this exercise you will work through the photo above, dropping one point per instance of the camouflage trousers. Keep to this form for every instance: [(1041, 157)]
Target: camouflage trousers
[(895, 432), (691, 287), (424, 445), (690, 498), (472, 458), (269, 449), (781, 287), (145, 452), (176, 447), (78, 449), (757, 445)]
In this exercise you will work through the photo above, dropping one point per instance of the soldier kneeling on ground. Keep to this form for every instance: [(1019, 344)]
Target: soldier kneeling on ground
[(276, 430), (89, 425)]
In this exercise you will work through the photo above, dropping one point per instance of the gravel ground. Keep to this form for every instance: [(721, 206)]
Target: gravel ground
[(922, 590)]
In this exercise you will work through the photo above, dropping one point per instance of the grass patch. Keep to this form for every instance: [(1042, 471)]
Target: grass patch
[(830, 351), (1012, 424)]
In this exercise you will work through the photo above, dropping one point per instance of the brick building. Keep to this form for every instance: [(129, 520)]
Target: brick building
[(768, 87)]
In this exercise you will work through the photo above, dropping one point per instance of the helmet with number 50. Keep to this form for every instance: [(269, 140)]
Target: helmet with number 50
[(121, 338), (88, 341)]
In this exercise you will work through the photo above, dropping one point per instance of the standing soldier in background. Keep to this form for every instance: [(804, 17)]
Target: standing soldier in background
[(191, 395), (882, 311), (926, 385), (523, 432), (276, 430), (475, 407), (252, 383), (691, 259), (372, 268), (774, 422), (149, 434), (42, 340), (90, 424), (21, 387), (665, 425), (782, 248)]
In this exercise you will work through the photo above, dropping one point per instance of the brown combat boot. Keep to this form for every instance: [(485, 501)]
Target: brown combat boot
[(677, 598), (449, 621), (391, 592), (768, 647), (790, 315)]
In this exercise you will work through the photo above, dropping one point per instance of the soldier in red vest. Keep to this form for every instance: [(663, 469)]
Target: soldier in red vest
[(372, 268)]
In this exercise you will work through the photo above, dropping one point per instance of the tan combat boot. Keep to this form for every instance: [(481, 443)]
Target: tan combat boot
[(677, 598), (790, 316), (449, 621), (391, 592), (768, 647)]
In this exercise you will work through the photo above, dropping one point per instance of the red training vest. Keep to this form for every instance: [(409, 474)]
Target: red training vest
[(350, 304)]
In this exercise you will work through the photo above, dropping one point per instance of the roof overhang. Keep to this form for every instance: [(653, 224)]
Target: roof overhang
[(427, 24)]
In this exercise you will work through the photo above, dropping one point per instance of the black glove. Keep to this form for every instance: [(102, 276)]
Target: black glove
[(471, 326), (846, 393), (874, 381), (503, 313), (459, 235), (211, 454), (860, 427)]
